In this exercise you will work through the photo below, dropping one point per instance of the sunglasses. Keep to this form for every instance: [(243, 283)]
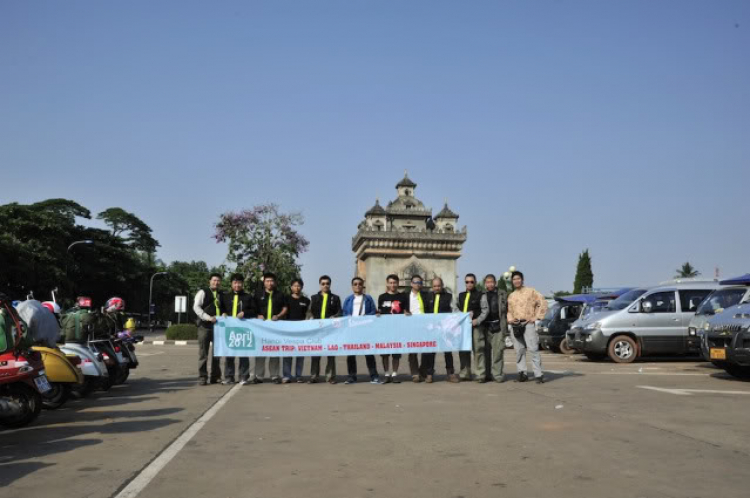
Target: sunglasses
[(357, 284), (325, 284), (470, 281), (418, 283)]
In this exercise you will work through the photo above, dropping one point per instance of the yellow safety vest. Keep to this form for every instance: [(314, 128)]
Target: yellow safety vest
[(216, 304), (421, 304), (234, 305), (269, 312), (437, 303), (466, 302), (325, 305)]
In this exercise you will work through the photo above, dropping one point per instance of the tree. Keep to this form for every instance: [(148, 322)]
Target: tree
[(584, 274), (561, 293), (263, 239), (130, 228), (687, 271)]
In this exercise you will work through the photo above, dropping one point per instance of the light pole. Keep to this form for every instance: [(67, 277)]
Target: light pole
[(67, 254), (150, 295)]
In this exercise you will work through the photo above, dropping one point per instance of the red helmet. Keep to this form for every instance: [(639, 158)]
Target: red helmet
[(115, 304), (83, 302), (52, 306)]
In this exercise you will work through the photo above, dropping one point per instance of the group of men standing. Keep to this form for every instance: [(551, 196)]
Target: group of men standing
[(494, 314)]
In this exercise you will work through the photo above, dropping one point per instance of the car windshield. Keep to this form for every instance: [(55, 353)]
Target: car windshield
[(624, 301), (552, 311), (720, 299)]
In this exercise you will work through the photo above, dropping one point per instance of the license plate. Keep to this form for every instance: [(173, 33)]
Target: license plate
[(42, 384), (718, 353)]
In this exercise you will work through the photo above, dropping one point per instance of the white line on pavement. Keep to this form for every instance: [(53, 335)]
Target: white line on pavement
[(690, 392), (147, 474), (150, 354)]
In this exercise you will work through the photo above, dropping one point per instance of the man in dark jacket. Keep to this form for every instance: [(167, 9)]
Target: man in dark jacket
[(441, 301), (270, 305), (492, 332), (469, 301), (237, 304), (207, 306), (323, 305), (418, 300)]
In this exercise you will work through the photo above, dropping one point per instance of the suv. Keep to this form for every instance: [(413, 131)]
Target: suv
[(656, 323), (727, 339), (556, 322)]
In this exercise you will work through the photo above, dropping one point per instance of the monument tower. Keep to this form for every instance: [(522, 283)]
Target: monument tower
[(404, 238)]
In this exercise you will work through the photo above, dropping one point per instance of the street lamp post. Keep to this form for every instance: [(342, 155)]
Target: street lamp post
[(67, 253), (150, 295)]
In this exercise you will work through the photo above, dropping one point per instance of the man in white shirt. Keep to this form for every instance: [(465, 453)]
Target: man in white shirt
[(418, 299)]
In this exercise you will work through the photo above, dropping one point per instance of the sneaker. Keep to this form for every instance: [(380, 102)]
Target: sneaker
[(522, 377), (227, 382), (276, 380), (395, 379), (350, 380), (256, 381), (481, 380), (387, 379), (428, 379), (454, 378), (313, 380), (215, 381), (376, 380), (244, 382), (202, 382), (540, 379), (416, 379), (500, 379), (300, 380), (332, 381), (286, 380)]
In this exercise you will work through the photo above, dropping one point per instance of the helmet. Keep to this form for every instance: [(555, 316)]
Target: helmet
[(52, 306), (83, 302), (130, 324), (115, 304)]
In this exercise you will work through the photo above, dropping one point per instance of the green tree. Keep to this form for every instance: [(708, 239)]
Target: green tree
[(129, 228), (687, 271), (584, 274), (263, 239), (561, 293)]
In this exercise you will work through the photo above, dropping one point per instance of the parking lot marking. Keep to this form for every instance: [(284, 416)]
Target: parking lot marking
[(151, 354), (142, 480), (690, 392)]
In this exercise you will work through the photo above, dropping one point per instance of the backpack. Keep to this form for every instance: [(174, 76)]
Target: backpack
[(9, 322), (78, 325)]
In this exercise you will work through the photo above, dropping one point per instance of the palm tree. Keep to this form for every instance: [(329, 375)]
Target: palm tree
[(687, 271)]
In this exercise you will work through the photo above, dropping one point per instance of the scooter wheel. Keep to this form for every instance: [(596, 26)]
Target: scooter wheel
[(57, 396), (122, 376), (83, 390), (31, 401)]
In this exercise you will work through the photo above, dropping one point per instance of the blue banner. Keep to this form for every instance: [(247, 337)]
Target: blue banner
[(360, 335)]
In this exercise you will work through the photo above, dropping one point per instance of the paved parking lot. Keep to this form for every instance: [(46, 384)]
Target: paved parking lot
[(650, 429)]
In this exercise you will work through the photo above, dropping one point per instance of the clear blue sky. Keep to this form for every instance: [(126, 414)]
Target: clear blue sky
[(622, 127)]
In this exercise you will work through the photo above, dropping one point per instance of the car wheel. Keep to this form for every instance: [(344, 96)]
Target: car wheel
[(738, 371), (565, 349), (623, 349)]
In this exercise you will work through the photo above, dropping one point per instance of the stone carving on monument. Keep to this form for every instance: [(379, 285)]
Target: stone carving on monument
[(404, 238)]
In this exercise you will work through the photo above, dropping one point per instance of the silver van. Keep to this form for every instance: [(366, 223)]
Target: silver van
[(654, 324)]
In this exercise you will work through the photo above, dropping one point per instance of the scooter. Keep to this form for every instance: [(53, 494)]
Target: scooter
[(125, 343), (62, 373), (117, 365), (95, 374), (22, 383)]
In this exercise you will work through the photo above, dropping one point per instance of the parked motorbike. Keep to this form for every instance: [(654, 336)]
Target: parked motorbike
[(62, 373), (95, 374)]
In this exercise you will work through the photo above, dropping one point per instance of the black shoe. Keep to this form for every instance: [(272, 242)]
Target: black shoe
[(256, 381), (500, 380), (481, 380), (522, 377), (350, 380), (203, 382), (276, 380), (215, 381), (540, 379)]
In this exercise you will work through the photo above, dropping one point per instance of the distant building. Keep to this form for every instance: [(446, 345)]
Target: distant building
[(403, 238)]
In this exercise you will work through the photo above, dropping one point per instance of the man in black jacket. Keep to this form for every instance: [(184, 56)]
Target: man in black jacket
[(323, 305), (270, 305), (418, 300), (492, 333), (207, 306), (441, 301), (469, 301), (237, 304)]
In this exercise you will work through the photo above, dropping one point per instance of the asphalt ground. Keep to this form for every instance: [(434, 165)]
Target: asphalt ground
[(657, 428)]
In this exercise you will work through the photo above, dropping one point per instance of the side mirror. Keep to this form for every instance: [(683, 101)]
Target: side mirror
[(647, 306)]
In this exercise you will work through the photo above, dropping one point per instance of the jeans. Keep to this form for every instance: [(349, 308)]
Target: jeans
[(205, 338), (229, 368), (287, 367)]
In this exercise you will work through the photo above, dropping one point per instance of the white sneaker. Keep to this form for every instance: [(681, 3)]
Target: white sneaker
[(244, 382)]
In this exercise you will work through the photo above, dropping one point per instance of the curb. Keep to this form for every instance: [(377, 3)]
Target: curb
[(171, 343)]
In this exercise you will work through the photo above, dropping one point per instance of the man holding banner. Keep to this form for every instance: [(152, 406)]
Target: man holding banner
[(360, 304), (237, 304), (271, 305), (392, 302), (440, 302), (324, 305), (469, 301), (417, 300), (207, 306)]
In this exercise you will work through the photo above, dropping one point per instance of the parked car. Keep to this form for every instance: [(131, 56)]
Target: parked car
[(558, 319), (737, 290), (654, 324), (727, 340)]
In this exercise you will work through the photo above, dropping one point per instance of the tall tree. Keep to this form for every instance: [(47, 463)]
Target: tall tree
[(687, 271), (130, 228), (584, 274), (263, 239)]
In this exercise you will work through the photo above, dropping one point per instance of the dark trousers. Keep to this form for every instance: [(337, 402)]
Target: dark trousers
[(414, 364), (351, 365), (205, 338), (428, 364), (229, 368), (330, 367), (287, 367)]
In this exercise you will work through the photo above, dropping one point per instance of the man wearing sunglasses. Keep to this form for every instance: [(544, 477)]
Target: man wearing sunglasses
[(392, 302), (324, 305), (360, 304), (441, 301), (418, 300), (470, 301)]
